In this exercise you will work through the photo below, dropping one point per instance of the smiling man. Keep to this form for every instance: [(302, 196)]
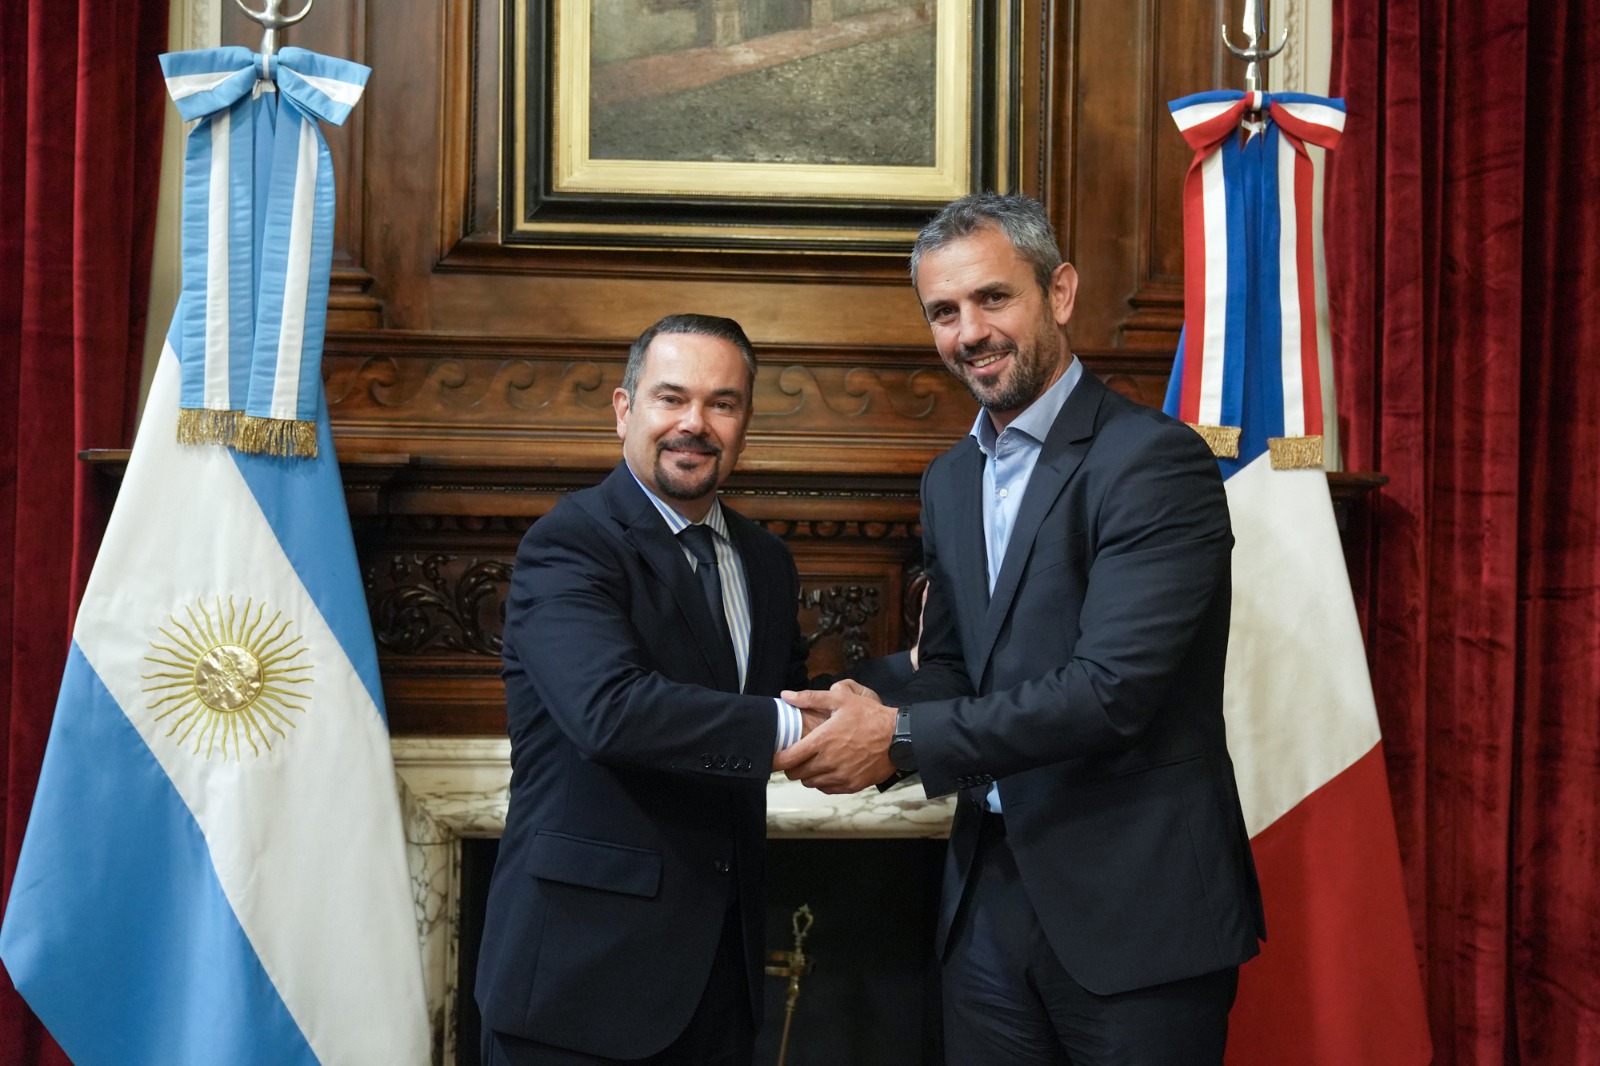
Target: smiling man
[(648, 630), (1099, 893)]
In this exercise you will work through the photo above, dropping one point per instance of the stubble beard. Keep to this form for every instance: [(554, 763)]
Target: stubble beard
[(1030, 370)]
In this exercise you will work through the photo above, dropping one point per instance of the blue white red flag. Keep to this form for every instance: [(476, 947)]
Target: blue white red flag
[(1337, 982), (214, 868)]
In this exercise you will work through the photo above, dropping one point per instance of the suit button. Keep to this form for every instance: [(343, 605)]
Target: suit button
[(720, 865), (722, 762), (705, 760), (742, 764)]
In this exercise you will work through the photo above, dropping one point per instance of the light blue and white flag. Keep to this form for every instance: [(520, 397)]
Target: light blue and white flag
[(214, 868)]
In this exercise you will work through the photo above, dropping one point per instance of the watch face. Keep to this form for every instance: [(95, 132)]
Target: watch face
[(900, 754)]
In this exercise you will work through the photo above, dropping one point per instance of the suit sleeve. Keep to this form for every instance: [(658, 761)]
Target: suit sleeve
[(1160, 572), (612, 671)]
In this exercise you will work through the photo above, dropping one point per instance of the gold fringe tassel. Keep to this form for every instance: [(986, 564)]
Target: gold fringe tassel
[(277, 436), (1224, 440), (201, 425), (1295, 453)]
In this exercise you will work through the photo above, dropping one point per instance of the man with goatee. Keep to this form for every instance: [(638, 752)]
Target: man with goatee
[(648, 631)]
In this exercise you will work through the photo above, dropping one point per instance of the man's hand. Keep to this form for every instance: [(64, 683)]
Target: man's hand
[(849, 751), (811, 717)]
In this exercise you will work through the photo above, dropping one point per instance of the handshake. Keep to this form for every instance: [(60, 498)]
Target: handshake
[(845, 747)]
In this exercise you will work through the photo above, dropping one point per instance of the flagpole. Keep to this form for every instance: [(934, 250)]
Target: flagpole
[(272, 20), (1252, 53)]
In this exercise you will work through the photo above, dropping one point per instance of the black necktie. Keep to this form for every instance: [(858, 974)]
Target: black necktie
[(698, 539)]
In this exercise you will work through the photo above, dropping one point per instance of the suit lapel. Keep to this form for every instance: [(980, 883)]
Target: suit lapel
[(647, 531), (970, 560), (1064, 448)]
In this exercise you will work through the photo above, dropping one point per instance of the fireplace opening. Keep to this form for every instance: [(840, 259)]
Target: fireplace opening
[(872, 997)]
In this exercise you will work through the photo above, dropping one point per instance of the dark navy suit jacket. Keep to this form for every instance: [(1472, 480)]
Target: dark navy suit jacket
[(1097, 666), (638, 787)]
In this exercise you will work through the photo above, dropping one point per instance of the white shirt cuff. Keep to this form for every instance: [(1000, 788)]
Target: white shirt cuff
[(790, 726)]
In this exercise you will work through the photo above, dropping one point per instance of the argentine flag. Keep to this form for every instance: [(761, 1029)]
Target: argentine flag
[(214, 870)]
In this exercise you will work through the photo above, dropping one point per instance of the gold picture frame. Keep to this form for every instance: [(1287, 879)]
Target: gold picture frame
[(560, 191)]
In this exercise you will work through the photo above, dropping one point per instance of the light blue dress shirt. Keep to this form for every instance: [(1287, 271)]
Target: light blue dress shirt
[(1009, 459), (735, 597)]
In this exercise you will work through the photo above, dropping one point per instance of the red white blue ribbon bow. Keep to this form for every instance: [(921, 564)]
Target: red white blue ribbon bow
[(1250, 320)]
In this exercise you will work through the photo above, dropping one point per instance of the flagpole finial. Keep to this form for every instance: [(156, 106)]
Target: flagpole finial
[(272, 20), (1254, 53)]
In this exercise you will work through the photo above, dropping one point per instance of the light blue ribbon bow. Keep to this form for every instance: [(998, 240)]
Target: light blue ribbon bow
[(258, 211)]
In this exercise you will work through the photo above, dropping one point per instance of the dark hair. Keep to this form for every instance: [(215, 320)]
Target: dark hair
[(1020, 218), (695, 325)]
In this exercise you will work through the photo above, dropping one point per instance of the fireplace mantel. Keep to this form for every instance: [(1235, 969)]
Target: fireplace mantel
[(456, 787)]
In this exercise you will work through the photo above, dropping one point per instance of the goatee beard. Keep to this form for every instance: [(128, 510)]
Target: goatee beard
[(672, 482)]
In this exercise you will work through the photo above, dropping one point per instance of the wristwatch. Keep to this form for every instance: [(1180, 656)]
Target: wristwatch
[(901, 755)]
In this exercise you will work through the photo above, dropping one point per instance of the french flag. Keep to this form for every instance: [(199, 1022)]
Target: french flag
[(1337, 983)]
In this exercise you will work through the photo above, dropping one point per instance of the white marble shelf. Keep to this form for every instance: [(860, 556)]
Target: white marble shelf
[(461, 783), (455, 787)]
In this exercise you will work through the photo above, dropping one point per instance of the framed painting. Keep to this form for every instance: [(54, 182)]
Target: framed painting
[(791, 125)]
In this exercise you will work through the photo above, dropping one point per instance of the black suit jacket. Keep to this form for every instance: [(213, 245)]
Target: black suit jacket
[(638, 802), (1097, 667)]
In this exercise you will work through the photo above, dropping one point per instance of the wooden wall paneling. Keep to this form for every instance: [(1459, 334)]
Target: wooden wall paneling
[(407, 155), (470, 383), (469, 153), (1047, 72), (460, 88), (436, 587), (850, 599), (1187, 58), (1093, 197)]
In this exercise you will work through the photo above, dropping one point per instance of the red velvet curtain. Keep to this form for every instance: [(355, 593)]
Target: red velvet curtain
[(1464, 273), (81, 103)]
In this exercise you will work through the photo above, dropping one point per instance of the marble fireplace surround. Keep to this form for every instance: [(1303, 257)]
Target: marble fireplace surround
[(456, 787)]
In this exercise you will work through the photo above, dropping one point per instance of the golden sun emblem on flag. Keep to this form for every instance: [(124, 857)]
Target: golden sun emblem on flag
[(231, 677)]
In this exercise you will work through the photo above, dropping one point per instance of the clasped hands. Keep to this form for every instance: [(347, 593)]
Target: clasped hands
[(846, 744)]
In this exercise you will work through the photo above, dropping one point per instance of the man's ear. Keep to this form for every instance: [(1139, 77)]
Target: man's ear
[(620, 404), (1063, 292)]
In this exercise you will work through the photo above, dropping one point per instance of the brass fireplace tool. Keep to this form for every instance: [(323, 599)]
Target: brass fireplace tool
[(792, 964)]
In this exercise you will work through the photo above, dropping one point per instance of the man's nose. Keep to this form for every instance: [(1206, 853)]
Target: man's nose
[(973, 329), (692, 419)]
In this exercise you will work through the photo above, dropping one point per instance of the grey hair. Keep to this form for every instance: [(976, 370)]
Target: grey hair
[(1020, 218), (694, 325)]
